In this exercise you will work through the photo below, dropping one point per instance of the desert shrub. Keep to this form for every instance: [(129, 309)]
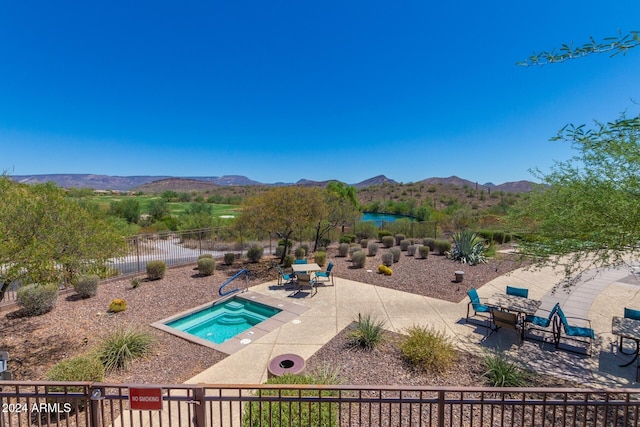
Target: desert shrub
[(428, 349), (38, 299), (279, 251), (388, 241), (499, 237), (468, 248), (353, 248), (503, 373), (358, 259), (347, 238), (364, 243), (230, 257), (79, 368), (387, 258), (254, 253), (122, 346), (487, 235), (201, 256), (442, 246), (430, 242), (384, 233), (424, 251), (320, 258), (87, 285), (290, 413), (287, 261), (300, 253), (366, 230), (343, 249), (383, 269), (367, 332), (411, 250), (399, 238), (372, 248), (206, 266), (396, 253), (404, 244), (135, 282), (156, 269), (305, 247), (117, 305)]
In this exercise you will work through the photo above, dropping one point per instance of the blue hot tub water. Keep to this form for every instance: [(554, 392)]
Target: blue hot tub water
[(222, 321)]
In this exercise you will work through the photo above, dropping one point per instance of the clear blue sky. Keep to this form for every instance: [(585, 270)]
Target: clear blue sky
[(279, 91)]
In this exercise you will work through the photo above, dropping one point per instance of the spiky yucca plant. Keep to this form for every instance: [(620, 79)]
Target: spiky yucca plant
[(468, 248)]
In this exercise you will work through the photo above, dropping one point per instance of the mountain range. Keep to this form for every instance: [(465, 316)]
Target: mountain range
[(125, 183)]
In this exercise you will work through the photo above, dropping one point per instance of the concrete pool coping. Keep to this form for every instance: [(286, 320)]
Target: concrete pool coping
[(289, 312)]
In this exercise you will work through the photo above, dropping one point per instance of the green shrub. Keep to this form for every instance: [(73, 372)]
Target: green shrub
[(156, 269), (300, 253), (442, 246), (358, 259), (254, 253), (364, 243), (383, 269), (201, 256), (388, 241), (468, 248), (372, 248), (503, 373), (499, 237), (79, 368), (428, 349), (430, 242), (320, 258), (399, 238), (354, 248), (383, 233), (87, 285), (348, 238), (117, 350), (135, 282), (117, 305), (404, 244), (206, 266), (387, 258), (411, 250), (38, 299), (396, 253), (290, 413), (305, 247), (343, 249), (279, 251), (367, 333), (287, 261), (423, 251), (230, 257), (487, 235)]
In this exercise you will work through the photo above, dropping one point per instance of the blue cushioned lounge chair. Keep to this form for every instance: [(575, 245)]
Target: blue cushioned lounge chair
[(581, 334), (539, 323), (518, 292), (285, 279), (479, 309), (326, 274)]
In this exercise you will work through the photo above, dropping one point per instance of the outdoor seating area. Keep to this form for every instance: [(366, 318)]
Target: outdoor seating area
[(304, 274)]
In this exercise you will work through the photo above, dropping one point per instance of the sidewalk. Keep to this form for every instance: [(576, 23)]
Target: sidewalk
[(598, 296)]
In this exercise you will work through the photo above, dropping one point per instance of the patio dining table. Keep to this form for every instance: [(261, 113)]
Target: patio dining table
[(301, 268), (630, 329), (514, 303)]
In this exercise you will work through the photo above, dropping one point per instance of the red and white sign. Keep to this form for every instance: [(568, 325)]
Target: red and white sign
[(145, 399)]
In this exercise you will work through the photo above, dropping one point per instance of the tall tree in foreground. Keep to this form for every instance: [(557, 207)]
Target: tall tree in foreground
[(283, 211), (48, 237), (586, 211), (342, 209)]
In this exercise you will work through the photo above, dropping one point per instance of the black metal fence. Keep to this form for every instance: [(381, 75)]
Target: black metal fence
[(100, 405)]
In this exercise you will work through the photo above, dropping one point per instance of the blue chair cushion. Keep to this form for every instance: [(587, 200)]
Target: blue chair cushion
[(300, 261), (322, 274), (576, 331), (631, 313), (519, 292), (538, 321), (481, 308)]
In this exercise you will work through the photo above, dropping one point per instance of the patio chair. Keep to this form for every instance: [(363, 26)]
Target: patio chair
[(629, 313), (305, 280), (507, 320), (539, 323), (326, 274), (479, 309), (285, 279), (300, 261), (518, 292), (579, 334)]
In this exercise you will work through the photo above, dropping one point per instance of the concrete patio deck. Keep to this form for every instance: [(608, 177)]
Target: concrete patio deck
[(598, 296)]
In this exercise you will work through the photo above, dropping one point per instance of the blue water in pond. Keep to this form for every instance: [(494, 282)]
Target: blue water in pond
[(379, 218), (222, 321)]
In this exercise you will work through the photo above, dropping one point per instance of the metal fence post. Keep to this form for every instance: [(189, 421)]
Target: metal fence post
[(441, 408), (199, 407), (136, 240), (96, 394)]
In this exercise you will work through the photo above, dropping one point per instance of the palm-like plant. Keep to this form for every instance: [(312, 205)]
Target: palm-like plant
[(468, 248)]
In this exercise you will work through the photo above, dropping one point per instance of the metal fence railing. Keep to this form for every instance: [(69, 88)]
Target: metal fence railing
[(101, 405)]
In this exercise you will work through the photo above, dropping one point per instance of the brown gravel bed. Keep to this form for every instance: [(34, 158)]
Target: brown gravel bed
[(432, 277)]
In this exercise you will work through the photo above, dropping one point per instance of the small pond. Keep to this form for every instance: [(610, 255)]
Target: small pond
[(380, 218)]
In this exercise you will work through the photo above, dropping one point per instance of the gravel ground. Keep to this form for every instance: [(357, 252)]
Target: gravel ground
[(76, 326)]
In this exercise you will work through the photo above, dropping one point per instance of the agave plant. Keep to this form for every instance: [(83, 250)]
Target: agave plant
[(468, 248)]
